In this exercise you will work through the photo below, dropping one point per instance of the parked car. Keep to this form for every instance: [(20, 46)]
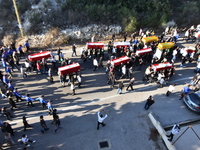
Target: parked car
[(192, 101)]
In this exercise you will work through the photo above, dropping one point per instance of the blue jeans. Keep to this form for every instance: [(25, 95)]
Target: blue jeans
[(119, 90), (45, 129), (59, 127)]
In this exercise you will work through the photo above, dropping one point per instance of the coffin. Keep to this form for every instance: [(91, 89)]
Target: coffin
[(39, 56), (69, 68), (118, 61), (161, 66), (94, 45)]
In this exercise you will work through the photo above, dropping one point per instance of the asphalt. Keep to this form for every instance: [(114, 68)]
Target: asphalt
[(125, 129)]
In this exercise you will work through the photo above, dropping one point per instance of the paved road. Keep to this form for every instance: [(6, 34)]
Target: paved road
[(128, 126)]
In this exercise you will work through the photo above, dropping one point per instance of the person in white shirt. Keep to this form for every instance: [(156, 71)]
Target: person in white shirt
[(28, 66), (160, 76), (123, 72), (50, 75), (197, 67), (170, 89), (113, 50), (79, 81), (174, 55), (101, 118), (95, 63), (166, 30), (53, 62), (73, 89), (176, 129), (26, 140)]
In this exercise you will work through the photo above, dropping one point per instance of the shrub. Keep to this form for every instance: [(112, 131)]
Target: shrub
[(132, 25)]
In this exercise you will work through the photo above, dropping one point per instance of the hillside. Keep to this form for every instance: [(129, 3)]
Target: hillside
[(42, 16)]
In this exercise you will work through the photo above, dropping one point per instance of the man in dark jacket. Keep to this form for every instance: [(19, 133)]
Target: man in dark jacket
[(43, 124), (150, 101), (130, 84)]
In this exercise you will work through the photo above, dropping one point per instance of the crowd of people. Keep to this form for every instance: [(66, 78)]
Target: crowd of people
[(11, 62), (11, 58)]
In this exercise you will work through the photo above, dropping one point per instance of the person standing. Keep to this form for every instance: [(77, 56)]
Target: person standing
[(125, 36), (176, 129), (26, 45), (73, 88), (26, 125), (113, 37), (120, 87), (28, 66), (50, 75), (170, 89), (23, 73), (130, 72), (26, 140), (53, 62), (150, 101), (54, 114), (58, 127), (79, 81), (124, 71), (131, 84), (38, 66), (95, 63), (58, 53), (43, 124), (20, 51), (74, 50), (61, 56), (101, 118)]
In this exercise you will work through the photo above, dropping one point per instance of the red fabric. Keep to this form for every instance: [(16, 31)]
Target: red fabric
[(69, 68), (118, 61), (122, 46), (38, 66), (94, 45), (161, 66), (190, 50), (144, 51), (39, 56)]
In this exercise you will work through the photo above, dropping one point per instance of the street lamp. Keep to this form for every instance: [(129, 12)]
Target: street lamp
[(18, 19)]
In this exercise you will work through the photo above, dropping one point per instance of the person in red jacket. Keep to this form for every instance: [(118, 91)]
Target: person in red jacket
[(38, 65)]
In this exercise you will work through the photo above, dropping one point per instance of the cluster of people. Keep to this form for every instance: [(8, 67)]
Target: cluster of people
[(9, 132), (10, 58), (10, 61)]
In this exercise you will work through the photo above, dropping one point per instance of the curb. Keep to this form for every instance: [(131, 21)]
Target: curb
[(162, 132)]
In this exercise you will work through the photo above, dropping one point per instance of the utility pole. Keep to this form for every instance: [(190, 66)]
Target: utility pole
[(18, 19)]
